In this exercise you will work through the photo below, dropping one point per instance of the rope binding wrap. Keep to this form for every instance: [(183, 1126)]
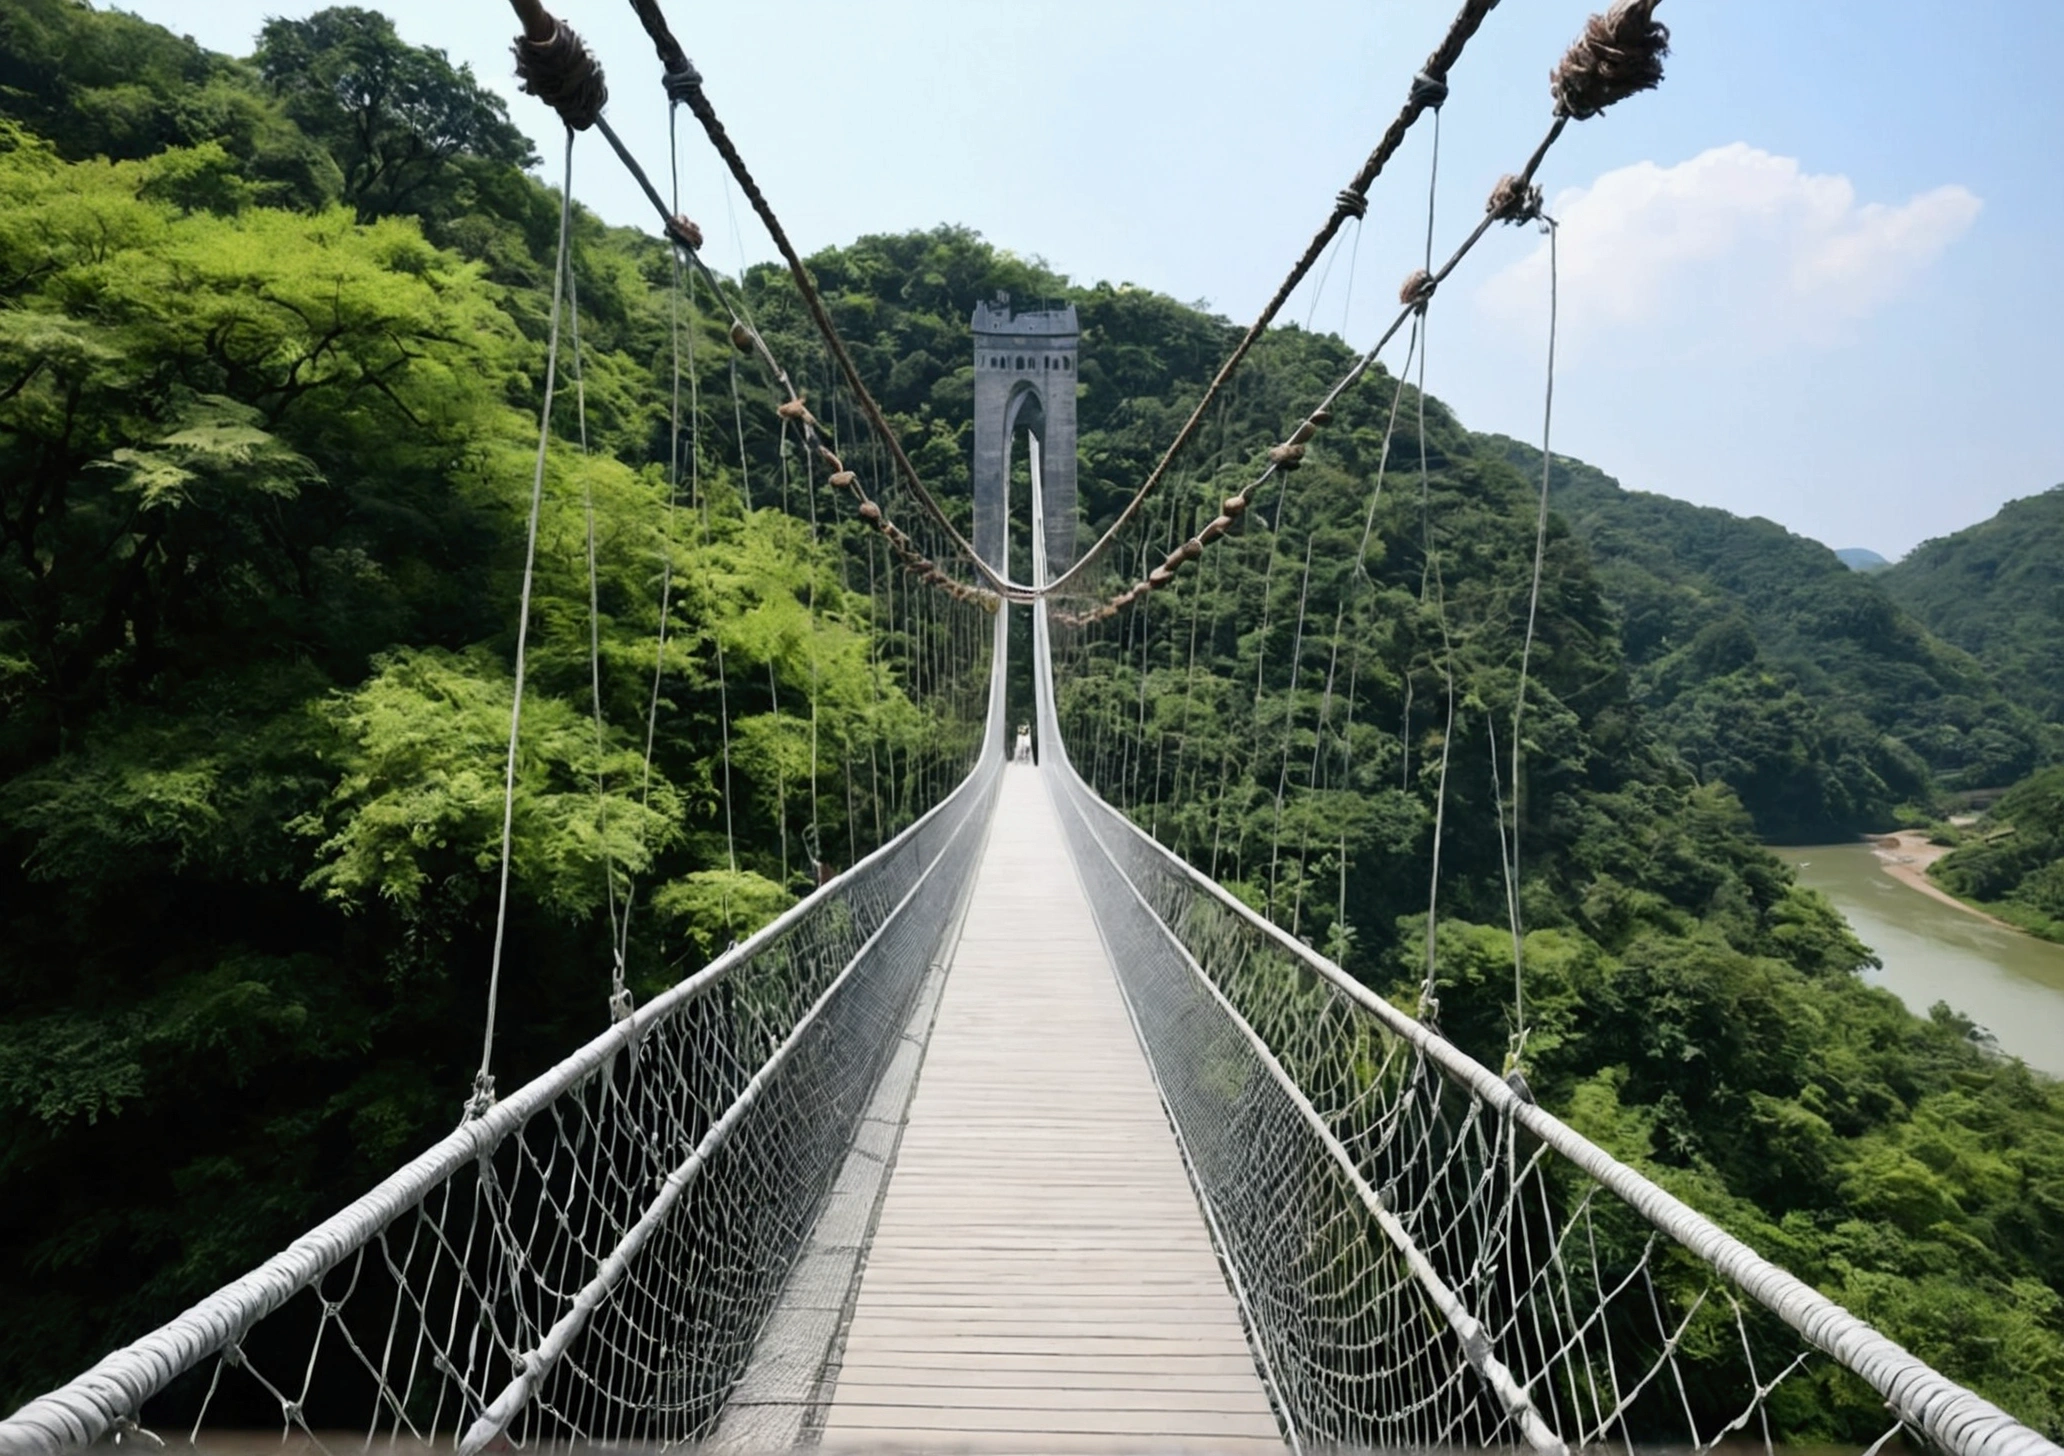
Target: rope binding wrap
[(1620, 52), (1513, 200), (682, 229), (557, 67), (1429, 90)]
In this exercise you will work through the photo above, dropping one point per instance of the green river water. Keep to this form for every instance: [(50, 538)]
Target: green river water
[(2009, 983)]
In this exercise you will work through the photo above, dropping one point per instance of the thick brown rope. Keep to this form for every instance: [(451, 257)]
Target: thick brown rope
[(684, 84), (1513, 201), (557, 67), (1619, 54), (1428, 90), (1413, 296)]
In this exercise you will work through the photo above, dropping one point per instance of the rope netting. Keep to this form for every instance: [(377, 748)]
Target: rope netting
[(647, 1243), (601, 1254), (1424, 1258), (594, 1257)]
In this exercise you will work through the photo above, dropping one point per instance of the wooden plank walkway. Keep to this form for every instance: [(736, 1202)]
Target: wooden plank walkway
[(1041, 1277)]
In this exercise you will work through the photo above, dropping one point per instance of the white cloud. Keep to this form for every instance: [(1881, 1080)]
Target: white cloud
[(1734, 245)]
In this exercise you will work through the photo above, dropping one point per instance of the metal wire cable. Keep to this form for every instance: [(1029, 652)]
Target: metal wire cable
[(1526, 651), (483, 1080)]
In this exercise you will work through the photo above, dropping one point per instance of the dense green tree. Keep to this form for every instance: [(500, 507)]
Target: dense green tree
[(101, 83), (1996, 590), (263, 483), (399, 119)]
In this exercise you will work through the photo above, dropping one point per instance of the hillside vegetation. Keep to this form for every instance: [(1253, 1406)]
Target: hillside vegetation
[(266, 442), (267, 351), (1996, 590), (1773, 667), (2012, 861)]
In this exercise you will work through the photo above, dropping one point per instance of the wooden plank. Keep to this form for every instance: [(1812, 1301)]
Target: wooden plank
[(1041, 1277), (1005, 1443)]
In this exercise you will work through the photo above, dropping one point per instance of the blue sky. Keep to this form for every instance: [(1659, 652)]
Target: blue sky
[(1812, 278)]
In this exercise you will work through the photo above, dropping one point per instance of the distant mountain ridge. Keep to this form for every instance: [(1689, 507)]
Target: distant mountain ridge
[(1775, 666), (1860, 558), (1996, 590)]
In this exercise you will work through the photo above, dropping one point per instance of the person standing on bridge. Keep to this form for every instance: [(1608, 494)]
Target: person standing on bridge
[(1024, 749)]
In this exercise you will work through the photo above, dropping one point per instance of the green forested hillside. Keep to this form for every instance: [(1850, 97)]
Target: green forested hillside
[(2012, 860), (266, 363), (1776, 669), (1996, 590), (265, 463)]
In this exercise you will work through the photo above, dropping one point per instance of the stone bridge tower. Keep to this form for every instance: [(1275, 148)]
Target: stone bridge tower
[(1024, 376)]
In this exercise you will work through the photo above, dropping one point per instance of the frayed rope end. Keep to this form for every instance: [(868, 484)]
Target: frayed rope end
[(1620, 52)]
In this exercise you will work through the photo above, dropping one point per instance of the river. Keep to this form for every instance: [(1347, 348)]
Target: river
[(2009, 983)]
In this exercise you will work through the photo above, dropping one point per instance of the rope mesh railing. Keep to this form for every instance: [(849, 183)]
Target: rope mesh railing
[(1425, 1258), (593, 1258)]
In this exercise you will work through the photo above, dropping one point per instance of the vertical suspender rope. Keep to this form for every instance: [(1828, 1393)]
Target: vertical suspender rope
[(483, 1080), (1431, 568), (618, 922), (1526, 655)]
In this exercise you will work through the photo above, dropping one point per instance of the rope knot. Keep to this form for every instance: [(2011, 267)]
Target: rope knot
[(563, 73), (741, 337), (682, 85), (1417, 289), (682, 229), (1514, 200), (793, 409), (1351, 203), (1286, 457), (1619, 53), (870, 513), (483, 1097), (844, 480), (1429, 90)]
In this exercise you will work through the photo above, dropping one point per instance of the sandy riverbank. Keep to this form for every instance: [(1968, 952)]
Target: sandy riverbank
[(1906, 857)]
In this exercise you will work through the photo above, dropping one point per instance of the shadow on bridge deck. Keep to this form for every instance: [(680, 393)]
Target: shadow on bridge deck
[(1040, 1277)]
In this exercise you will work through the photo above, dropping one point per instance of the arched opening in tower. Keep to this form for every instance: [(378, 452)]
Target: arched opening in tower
[(1026, 420)]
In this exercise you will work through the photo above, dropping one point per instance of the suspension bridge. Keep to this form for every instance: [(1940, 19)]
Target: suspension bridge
[(1023, 1132)]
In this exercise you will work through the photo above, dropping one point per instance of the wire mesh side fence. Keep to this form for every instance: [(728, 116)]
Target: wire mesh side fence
[(1424, 1257), (592, 1259)]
